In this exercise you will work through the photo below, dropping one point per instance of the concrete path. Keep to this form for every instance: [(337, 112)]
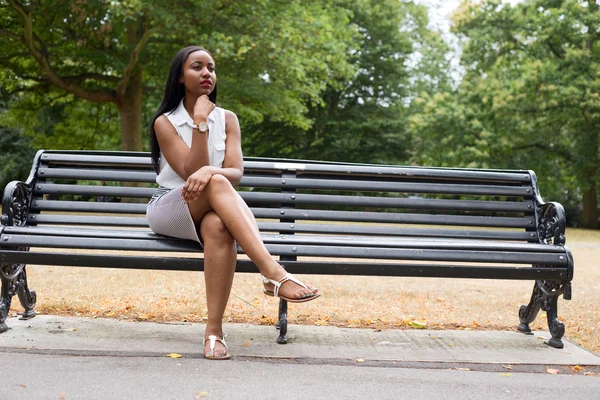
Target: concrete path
[(52, 357), (67, 335)]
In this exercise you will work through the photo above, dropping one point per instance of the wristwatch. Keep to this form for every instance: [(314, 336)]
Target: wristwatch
[(202, 126)]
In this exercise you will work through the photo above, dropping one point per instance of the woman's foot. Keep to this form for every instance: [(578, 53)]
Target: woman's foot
[(215, 347), (289, 288)]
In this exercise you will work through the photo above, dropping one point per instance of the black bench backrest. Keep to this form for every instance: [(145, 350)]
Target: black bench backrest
[(108, 189)]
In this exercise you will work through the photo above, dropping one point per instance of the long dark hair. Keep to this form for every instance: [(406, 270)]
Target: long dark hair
[(174, 92)]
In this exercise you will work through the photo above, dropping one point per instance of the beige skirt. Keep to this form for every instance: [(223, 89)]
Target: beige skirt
[(169, 215)]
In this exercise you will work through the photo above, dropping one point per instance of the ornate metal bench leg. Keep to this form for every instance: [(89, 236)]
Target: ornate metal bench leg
[(557, 328), (545, 296), (527, 313), (282, 323), (5, 300), (26, 297), (14, 281)]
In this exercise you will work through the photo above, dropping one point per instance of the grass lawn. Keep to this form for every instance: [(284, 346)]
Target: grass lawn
[(374, 302)]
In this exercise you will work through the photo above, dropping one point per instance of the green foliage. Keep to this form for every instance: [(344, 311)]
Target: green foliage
[(360, 118), (15, 157), (529, 97), (275, 58)]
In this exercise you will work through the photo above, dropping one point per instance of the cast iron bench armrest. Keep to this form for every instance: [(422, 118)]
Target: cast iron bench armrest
[(15, 203)]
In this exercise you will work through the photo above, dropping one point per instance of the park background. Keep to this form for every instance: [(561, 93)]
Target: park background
[(491, 84)]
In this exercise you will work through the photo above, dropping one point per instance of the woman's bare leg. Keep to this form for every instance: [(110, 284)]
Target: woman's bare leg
[(220, 255), (220, 197)]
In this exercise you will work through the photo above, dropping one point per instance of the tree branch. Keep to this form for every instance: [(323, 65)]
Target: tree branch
[(42, 105), (96, 96), (554, 51), (11, 34), (133, 59), (564, 153)]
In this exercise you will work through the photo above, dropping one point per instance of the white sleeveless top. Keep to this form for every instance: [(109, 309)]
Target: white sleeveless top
[(181, 120)]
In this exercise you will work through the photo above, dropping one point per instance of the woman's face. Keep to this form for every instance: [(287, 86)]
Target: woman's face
[(199, 76)]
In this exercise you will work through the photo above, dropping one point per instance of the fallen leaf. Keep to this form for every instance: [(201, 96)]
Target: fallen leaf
[(418, 324), (109, 314), (246, 344), (577, 368), (360, 360), (70, 329), (174, 355), (22, 385), (552, 371), (506, 374), (201, 394), (508, 367)]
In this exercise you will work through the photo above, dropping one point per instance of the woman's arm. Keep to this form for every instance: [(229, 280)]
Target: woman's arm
[(233, 164), (183, 159)]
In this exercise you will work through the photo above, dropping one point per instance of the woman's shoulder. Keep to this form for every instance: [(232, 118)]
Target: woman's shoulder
[(162, 124), (229, 115)]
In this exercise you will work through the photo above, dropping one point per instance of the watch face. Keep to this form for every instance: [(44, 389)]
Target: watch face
[(202, 126)]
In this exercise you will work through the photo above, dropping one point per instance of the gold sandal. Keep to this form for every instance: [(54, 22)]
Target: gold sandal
[(277, 284)]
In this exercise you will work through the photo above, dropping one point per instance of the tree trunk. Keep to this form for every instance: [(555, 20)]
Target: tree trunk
[(130, 110), (589, 151), (589, 215)]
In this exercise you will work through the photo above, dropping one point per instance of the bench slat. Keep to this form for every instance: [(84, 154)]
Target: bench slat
[(296, 267), (98, 158), (416, 173), (322, 250), (88, 206), (389, 202), (285, 227), (387, 186), (90, 190), (97, 175), (359, 240), (61, 219), (396, 218)]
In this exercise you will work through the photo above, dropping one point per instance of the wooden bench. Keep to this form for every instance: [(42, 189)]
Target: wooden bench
[(315, 216)]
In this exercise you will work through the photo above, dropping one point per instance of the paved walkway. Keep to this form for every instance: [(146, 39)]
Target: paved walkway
[(51, 357), (67, 335)]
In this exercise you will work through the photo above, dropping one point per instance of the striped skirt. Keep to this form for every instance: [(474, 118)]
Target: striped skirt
[(169, 215)]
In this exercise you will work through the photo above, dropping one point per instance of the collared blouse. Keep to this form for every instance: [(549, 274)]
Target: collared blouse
[(182, 122)]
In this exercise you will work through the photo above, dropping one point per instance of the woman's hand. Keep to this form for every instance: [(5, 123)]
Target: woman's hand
[(196, 183), (202, 109)]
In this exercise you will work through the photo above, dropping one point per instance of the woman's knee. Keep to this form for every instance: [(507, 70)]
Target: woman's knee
[(219, 182), (212, 227)]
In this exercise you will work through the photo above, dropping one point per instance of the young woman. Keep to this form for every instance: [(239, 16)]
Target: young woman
[(196, 150)]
